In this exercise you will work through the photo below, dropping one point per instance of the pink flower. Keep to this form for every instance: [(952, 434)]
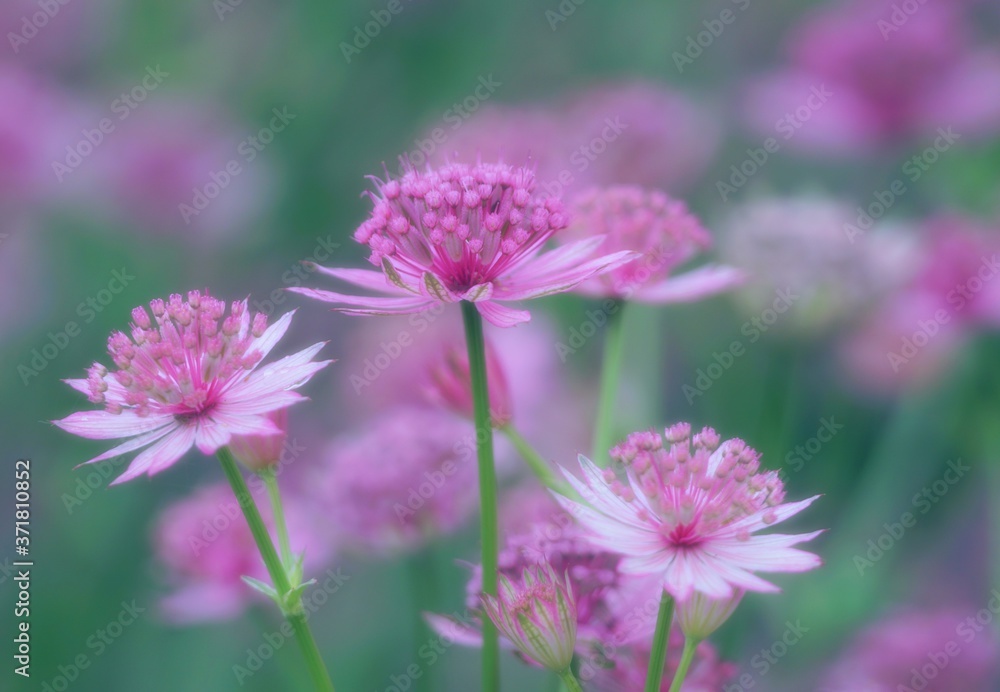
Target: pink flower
[(881, 81), (463, 232), (405, 478), (662, 230), (688, 513), (257, 451), (700, 615), (628, 667), (189, 377), (205, 545), (905, 651), (451, 384), (538, 615)]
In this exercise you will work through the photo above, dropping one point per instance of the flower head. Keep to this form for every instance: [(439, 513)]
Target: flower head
[(189, 376), (450, 384), (462, 232), (257, 451), (700, 615), (688, 511), (400, 481), (538, 615), (665, 234)]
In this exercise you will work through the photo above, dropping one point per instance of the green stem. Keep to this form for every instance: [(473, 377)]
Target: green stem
[(271, 481), (611, 367), (487, 486), (572, 684), (543, 469), (292, 603), (690, 645), (422, 578), (661, 639)]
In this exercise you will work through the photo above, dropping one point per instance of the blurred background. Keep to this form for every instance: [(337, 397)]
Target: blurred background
[(844, 154)]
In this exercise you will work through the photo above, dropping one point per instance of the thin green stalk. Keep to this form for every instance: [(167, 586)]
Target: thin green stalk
[(487, 486), (536, 463), (690, 644), (421, 573), (661, 639), (292, 603), (572, 684), (611, 368), (271, 481)]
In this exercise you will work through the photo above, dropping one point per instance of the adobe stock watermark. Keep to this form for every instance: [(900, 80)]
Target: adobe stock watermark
[(922, 502), (97, 643), (937, 660), (900, 15), (828, 428), (326, 586), (32, 23), (958, 298), (369, 31), (453, 117), (88, 310), (429, 653), (122, 107), (753, 329), (912, 170), (248, 150), (297, 274), (584, 155), (563, 11), (786, 126), (764, 661), (697, 44)]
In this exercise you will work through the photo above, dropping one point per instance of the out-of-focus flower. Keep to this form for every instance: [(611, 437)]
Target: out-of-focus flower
[(451, 384), (665, 234), (407, 477), (189, 377), (258, 452), (953, 289), (179, 170), (537, 614), (882, 80), (803, 268), (688, 512), (461, 232), (935, 651), (629, 132), (206, 546), (637, 132), (34, 130)]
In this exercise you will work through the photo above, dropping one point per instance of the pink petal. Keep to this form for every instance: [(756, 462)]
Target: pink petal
[(210, 435), (272, 335), (693, 285), (478, 292), (529, 284), (132, 445), (755, 522), (161, 455), (363, 278), (289, 372), (101, 425), (450, 629), (368, 302), (501, 316)]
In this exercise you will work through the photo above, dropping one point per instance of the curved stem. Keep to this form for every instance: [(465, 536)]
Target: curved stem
[(572, 684), (487, 486), (661, 639), (541, 468), (291, 602), (690, 644), (611, 367)]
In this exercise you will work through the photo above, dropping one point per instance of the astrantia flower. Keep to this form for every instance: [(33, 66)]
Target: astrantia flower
[(189, 376), (538, 615), (700, 615), (663, 231), (463, 232), (258, 452), (406, 477), (688, 513), (450, 384)]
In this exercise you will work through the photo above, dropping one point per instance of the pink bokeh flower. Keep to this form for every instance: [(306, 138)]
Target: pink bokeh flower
[(206, 548), (405, 478), (257, 451), (942, 650), (190, 376), (665, 234), (459, 232), (537, 614), (886, 81), (688, 513)]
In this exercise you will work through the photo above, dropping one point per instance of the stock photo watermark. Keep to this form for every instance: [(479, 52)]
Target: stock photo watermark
[(697, 44)]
